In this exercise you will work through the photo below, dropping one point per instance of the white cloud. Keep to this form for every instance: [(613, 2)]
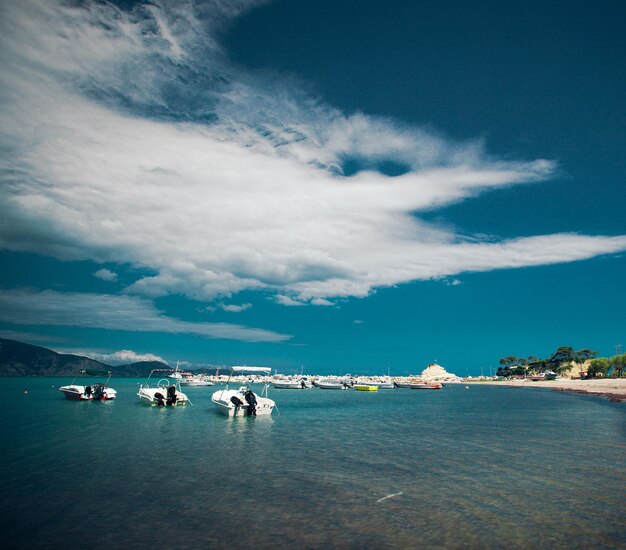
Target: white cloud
[(234, 308), (129, 138), (104, 311), (105, 275), (287, 301), (121, 357)]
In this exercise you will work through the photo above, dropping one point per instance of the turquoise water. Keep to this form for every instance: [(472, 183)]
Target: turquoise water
[(482, 467)]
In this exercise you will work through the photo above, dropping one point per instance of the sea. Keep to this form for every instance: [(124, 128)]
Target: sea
[(475, 467)]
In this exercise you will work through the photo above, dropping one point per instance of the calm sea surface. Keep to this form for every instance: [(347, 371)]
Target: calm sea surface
[(482, 467)]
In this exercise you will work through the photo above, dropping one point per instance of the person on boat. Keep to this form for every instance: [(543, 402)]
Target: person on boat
[(251, 400), (88, 391)]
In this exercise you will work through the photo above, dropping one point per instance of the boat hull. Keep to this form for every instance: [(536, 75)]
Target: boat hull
[(331, 386), (365, 387), (78, 393), (426, 386), (288, 386), (147, 396)]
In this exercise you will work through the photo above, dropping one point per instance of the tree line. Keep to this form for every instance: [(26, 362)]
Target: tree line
[(561, 361)]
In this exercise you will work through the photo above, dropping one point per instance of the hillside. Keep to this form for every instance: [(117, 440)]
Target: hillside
[(19, 359)]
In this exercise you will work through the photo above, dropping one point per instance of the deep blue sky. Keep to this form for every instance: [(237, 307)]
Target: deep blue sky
[(532, 80)]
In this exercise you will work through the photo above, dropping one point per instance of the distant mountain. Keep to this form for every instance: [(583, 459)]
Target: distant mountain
[(19, 359)]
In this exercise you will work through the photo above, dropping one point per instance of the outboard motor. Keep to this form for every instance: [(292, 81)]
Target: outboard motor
[(171, 395), (160, 399), (251, 400), (303, 384), (98, 392), (237, 402)]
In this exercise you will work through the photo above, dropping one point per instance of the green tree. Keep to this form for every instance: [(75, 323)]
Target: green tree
[(618, 363), (599, 367)]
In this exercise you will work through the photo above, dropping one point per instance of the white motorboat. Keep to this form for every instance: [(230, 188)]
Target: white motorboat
[(290, 384), (332, 385), (243, 401), (195, 381), (97, 391), (166, 392)]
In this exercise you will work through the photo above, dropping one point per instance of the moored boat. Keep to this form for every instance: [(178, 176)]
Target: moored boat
[(166, 392), (365, 387), (332, 385), (243, 401), (426, 386), (97, 391), (289, 384)]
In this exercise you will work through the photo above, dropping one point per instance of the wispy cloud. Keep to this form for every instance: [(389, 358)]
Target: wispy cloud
[(129, 137), (127, 313)]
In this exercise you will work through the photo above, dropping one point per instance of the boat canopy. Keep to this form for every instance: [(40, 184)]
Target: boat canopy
[(266, 370), (92, 372)]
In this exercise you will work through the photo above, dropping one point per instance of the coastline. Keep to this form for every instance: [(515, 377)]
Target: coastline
[(613, 389)]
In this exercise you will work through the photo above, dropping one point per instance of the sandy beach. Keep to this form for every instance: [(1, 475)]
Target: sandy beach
[(612, 388)]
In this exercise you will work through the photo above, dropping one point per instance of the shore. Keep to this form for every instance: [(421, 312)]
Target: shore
[(612, 388)]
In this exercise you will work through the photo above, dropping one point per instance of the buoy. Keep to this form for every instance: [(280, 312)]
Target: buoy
[(25, 392)]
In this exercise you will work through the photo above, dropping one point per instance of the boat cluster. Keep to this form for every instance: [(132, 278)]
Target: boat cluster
[(166, 392), (242, 401), (359, 384)]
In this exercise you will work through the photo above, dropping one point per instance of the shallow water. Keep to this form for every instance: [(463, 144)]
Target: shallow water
[(482, 467)]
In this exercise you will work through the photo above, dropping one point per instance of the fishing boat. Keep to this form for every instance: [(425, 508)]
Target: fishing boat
[(243, 401), (97, 391), (426, 386), (166, 392), (365, 387)]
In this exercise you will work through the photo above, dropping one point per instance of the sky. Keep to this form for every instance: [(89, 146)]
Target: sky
[(322, 186)]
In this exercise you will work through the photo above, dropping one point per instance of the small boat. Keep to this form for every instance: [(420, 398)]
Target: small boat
[(427, 386), (365, 387), (94, 392), (289, 384), (380, 384), (243, 401), (332, 385), (166, 392), (195, 381)]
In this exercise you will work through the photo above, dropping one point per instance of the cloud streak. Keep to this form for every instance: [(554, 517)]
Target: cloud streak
[(104, 311), (128, 137)]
